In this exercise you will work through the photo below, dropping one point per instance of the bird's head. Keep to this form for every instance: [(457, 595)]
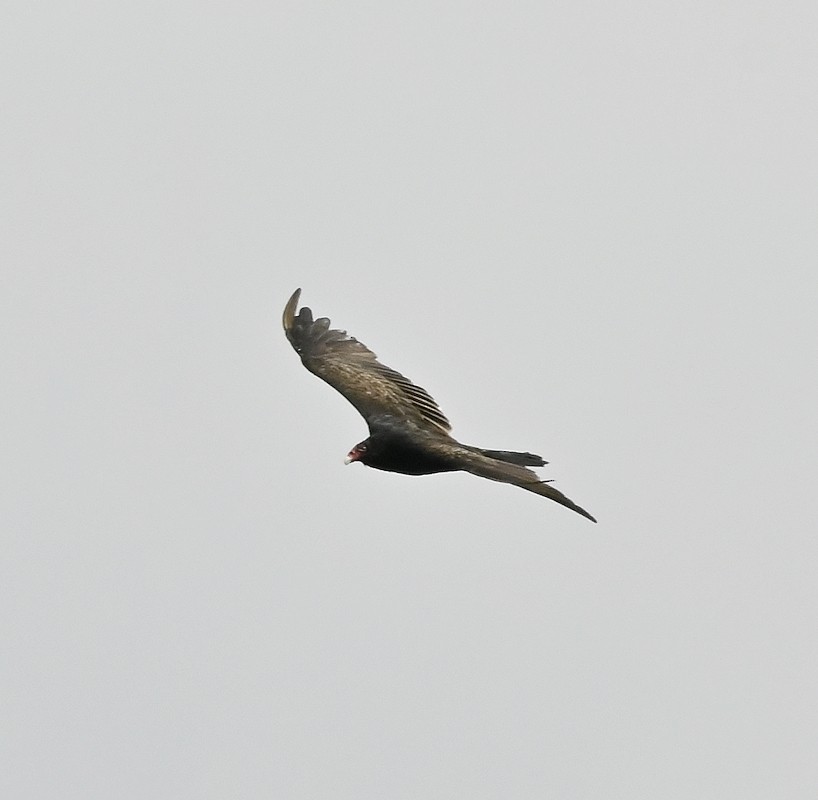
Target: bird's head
[(358, 453)]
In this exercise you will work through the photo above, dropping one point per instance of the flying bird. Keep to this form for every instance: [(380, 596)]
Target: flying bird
[(408, 432)]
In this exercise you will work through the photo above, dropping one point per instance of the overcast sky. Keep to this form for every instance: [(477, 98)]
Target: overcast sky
[(589, 229)]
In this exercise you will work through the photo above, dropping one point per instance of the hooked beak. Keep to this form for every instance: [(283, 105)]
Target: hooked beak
[(353, 455)]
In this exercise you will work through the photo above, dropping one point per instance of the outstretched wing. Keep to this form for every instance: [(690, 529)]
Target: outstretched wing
[(519, 476), (354, 370)]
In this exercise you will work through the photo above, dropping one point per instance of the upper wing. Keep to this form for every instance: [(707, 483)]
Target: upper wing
[(519, 476), (351, 368)]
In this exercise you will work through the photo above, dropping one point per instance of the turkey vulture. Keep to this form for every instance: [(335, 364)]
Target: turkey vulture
[(407, 431)]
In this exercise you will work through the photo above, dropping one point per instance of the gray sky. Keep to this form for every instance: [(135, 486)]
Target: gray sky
[(588, 229)]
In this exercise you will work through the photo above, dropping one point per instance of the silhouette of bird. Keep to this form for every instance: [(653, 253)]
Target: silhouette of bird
[(408, 432)]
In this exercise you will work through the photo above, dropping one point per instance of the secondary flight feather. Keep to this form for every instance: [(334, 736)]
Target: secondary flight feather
[(408, 432)]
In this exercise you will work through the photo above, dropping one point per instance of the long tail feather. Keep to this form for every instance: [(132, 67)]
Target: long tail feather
[(512, 457), (510, 472)]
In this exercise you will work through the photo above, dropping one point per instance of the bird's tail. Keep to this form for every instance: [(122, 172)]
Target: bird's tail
[(511, 457), (509, 471)]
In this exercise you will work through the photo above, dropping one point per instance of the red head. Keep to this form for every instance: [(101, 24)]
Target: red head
[(358, 453)]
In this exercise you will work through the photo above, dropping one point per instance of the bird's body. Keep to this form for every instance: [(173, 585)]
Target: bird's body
[(408, 432), (394, 446)]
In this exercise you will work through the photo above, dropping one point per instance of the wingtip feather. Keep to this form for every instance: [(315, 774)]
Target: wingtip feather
[(288, 317)]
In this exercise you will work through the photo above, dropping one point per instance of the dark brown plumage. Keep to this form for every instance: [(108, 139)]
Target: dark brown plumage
[(408, 433)]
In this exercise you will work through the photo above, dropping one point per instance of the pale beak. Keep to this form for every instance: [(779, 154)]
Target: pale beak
[(349, 459)]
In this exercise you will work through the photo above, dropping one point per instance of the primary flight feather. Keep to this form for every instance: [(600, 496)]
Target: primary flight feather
[(408, 432)]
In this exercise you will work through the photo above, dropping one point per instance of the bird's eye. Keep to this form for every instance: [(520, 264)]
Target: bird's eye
[(361, 448)]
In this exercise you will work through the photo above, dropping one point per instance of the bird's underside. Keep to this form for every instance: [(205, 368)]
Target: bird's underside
[(408, 432)]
